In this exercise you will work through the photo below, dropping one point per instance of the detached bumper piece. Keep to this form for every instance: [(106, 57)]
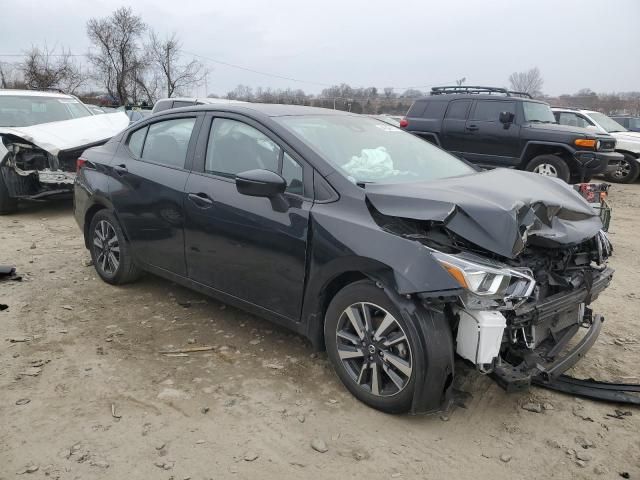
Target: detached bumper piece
[(608, 392)]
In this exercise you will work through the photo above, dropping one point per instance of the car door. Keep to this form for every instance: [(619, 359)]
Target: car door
[(454, 136), (247, 247), (490, 142), (148, 176)]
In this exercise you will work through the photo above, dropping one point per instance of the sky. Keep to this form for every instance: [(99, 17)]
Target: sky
[(408, 43)]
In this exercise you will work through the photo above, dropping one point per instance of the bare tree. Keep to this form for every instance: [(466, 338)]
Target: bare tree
[(528, 82), (119, 64), (43, 69), (166, 56), (388, 92)]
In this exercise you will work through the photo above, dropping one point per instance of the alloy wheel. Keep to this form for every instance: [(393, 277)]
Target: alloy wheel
[(546, 169), (374, 349), (106, 247), (623, 170)]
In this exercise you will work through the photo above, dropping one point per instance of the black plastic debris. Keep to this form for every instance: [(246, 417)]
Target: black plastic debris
[(3, 306), (589, 388)]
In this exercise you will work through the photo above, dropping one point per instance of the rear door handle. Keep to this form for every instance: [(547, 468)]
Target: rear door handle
[(201, 199), (472, 128), (120, 169)]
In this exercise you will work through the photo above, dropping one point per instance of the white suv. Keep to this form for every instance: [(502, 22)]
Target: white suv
[(627, 143)]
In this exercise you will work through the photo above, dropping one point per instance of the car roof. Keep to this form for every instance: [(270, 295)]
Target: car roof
[(33, 93), (477, 96), (200, 99), (266, 109)]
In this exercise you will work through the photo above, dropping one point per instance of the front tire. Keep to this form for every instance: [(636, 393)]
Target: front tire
[(371, 348), (110, 251), (7, 204), (550, 166), (627, 171)]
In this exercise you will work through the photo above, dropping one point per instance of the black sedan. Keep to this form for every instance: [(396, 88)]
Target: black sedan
[(376, 245)]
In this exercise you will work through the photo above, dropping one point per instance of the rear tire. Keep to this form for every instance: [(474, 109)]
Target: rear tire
[(7, 204), (551, 166), (381, 376), (627, 172), (110, 251)]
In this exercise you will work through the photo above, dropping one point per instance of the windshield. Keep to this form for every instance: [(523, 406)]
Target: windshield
[(609, 124), (27, 110), (538, 112), (367, 150)]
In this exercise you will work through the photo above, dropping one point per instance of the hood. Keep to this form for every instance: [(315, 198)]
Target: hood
[(628, 136), (556, 127), (500, 210), (55, 137)]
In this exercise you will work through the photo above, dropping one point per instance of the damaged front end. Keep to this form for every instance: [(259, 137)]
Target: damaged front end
[(40, 160), (529, 255), (31, 172)]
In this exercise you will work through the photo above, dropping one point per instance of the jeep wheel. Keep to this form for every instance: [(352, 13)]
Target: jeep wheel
[(7, 204), (627, 171), (550, 166)]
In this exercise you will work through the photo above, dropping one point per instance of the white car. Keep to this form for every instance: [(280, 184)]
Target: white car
[(42, 136), (627, 142)]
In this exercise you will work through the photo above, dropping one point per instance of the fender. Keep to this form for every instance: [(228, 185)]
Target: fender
[(530, 143)]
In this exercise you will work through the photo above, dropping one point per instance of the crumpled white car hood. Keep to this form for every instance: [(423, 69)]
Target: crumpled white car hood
[(627, 141), (54, 137)]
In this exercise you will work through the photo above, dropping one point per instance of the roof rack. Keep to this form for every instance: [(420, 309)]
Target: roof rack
[(474, 90)]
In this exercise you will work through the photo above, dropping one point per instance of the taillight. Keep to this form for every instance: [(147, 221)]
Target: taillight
[(404, 123), (80, 163)]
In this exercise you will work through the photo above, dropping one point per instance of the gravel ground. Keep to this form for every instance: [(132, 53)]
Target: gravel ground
[(85, 393)]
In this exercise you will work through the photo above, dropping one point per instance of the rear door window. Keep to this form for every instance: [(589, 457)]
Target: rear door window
[(489, 110), (167, 142), (458, 109)]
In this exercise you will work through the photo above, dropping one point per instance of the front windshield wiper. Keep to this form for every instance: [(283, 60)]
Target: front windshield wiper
[(362, 184)]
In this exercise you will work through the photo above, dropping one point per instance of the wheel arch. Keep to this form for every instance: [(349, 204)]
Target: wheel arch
[(635, 155), (535, 149)]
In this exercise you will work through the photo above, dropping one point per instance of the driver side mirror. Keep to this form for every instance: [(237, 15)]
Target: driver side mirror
[(506, 117), (260, 183)]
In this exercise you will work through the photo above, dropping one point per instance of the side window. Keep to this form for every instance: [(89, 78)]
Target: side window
[(181, 103), (136, 141), (292, 172), (458, 109), (434, 110), (236, 147), (573, 120), (417, 108), (167, 142), (162, 105), (489, 110)]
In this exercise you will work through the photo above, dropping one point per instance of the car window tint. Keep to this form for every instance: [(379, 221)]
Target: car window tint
[(136, 140), (573, 120), (434, 109), (167, 142), (162, 105), (181, 103), (458, 110), (292, 173), (417, 108), (236, 147), (489, 110)]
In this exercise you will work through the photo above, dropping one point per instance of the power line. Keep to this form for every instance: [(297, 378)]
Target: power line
[(247, 69)]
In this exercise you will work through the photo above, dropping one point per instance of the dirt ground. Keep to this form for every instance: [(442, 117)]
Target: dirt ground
[(85, 393)]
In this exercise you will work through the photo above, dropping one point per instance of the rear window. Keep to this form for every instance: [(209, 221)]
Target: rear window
[(427, 109), (181, 103), (417, 108)]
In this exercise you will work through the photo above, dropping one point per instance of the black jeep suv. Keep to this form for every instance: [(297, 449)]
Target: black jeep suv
[(495, 127)]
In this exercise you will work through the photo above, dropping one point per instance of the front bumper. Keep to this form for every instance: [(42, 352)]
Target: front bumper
[(593, 163), (551, 358)]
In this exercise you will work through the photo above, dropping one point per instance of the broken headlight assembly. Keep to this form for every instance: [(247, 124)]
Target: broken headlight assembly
[(487, 284)]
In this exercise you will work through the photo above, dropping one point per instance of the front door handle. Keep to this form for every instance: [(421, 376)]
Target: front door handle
[(472, 128), (120, 169), (201, 199)]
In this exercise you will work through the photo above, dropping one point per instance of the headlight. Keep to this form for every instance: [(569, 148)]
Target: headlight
[(488, 280), (597, 144)]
